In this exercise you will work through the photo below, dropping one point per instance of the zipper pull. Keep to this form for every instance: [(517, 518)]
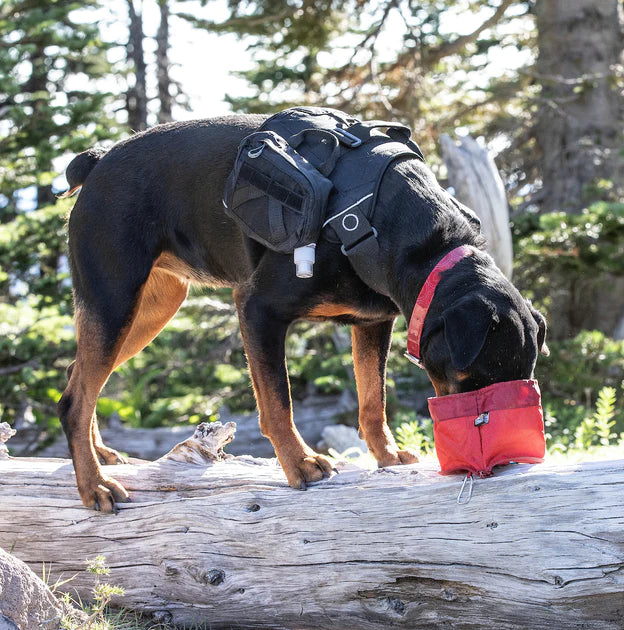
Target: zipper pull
[(484, 418)]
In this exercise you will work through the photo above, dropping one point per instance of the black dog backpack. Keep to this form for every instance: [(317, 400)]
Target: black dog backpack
[(310, 172)]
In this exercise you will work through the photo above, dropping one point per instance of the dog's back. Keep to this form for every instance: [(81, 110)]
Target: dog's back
[(161, 190)]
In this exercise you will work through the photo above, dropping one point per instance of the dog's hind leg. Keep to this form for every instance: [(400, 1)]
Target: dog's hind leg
[(106, 455), (264, 335), (93, 364), (371, 343), (102, 348), (161, 298)]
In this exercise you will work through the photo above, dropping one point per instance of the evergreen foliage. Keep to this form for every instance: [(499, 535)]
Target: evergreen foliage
[(418, 62), (432, 64), (49, 63)]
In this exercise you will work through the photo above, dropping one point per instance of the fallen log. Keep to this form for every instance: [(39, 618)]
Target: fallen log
[(229, 544), (313, 415)]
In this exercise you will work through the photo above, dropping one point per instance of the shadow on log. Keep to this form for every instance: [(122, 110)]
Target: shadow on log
[(229, 544)]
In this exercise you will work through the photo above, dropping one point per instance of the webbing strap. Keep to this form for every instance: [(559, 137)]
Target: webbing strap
[(276, 219), (360, 246)]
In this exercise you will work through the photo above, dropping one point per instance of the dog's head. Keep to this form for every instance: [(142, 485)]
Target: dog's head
[(489, 335)]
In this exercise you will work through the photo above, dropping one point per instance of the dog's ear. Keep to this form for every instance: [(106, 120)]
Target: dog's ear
[(541, 330), (466, 325)]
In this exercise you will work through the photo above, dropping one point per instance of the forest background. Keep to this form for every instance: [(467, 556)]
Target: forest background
[(538, 82)]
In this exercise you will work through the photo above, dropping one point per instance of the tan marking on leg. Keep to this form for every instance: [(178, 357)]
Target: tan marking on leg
[(89, 374), (332, 310), (106, 455), (370, 354), (158, 301), (299, 462)]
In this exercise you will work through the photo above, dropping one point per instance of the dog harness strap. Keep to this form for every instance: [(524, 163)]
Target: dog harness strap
[(394, 130), (360, 246), (358, 159), (425, 297)]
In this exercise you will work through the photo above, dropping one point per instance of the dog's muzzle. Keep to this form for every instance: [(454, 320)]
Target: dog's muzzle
[(496, 425)]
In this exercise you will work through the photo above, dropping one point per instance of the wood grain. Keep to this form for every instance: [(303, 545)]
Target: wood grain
[(230, 545)]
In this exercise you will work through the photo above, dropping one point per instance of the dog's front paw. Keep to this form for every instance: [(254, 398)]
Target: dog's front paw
[(102, 493), (305, 467), (405, 456), (109, 456)]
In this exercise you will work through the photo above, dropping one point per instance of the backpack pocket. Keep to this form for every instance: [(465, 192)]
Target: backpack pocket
[(274, 194)]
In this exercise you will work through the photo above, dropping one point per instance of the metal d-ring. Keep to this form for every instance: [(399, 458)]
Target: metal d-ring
[(415, 360)]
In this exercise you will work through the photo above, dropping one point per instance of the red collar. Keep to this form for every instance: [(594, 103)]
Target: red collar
[(425, 297)]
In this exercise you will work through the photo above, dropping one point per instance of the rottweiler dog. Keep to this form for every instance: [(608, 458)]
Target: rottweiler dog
[(149, 221)]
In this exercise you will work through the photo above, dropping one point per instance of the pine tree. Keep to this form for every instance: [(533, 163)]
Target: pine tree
[(163, 65), (136, 96), (380, 59), (48, 105)]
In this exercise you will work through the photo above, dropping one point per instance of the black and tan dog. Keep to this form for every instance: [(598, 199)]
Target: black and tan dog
[(149, 222)]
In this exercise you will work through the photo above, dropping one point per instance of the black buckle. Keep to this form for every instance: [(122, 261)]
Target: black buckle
[(414, 360), (347, 138)]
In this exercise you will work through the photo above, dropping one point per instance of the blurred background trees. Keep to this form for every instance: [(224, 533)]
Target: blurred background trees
[(540, 83)]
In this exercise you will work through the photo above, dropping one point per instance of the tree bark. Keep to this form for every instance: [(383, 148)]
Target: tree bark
[(581, 113), (229, 544), (163, 64), (477, 184), (136, 97)]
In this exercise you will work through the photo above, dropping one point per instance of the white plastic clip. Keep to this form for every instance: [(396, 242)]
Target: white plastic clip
[(463, 500)]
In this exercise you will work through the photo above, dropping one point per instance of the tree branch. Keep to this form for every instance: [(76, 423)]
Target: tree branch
[(235, 22), (430, 57), (11, 369), (452, 48)]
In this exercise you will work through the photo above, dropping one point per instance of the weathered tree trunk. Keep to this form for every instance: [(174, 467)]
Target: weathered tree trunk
[(136, 97), (231, 545), (581, 113), (163, 64), (477, 184), (312, 416)]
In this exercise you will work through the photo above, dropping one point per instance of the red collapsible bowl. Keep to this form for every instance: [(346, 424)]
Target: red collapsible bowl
[(496, 425)]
